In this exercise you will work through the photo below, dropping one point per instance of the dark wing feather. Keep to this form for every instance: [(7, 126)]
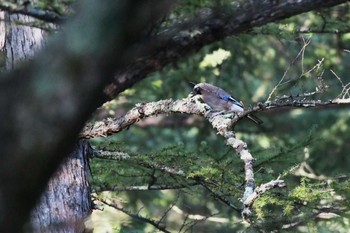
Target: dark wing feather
[(227, 97)]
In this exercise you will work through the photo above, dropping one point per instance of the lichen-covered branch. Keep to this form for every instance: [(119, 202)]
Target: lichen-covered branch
[(249, 199), (141, 111), (192, 106), (263, 188), (222, 124), (189, 106)]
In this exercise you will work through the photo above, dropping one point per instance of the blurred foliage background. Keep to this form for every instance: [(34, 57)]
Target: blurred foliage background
[(308, 147)]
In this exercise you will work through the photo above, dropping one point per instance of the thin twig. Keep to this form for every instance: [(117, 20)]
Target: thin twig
[(301, 52), (170, 208), (137, 216), (219, 197)]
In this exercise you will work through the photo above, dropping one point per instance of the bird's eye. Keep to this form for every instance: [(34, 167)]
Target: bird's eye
[(196, 90)]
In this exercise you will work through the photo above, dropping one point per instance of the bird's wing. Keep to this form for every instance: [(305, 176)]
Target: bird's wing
[(225, 96)]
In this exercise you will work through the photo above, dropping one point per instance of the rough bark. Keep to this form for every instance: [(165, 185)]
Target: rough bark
[(46, 102), (21, 41), (66, 202), (2, 41), (2, 30)]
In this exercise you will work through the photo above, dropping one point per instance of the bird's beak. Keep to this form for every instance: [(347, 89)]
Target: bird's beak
[(192, 94), (192, 84)]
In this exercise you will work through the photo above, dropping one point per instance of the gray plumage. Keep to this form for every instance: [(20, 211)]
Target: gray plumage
[(220, 101)]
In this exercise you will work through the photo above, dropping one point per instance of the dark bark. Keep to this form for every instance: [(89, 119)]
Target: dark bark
[(66, 202), (45, 103), (210, 26), (21, 41)]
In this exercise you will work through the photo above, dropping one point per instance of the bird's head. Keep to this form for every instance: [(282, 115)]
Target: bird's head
[(197, 90)]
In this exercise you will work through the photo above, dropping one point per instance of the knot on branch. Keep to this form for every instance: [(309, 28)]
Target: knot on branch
[(140, 110)]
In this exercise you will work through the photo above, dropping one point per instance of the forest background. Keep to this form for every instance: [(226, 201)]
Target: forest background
[(174, 172)]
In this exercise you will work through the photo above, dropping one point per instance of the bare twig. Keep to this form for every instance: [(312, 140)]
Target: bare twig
[(319, 88), (156, 224), (218, 196), (346, 87), (169, 208), (301, 52)]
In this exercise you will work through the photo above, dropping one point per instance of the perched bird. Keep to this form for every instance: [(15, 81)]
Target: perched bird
[(220, 101)]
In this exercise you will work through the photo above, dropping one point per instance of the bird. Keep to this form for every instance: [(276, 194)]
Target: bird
[(220, 101)]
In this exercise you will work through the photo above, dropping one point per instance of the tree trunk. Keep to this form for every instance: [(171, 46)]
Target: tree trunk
[(21, 41), (2, 31), (66, 201)]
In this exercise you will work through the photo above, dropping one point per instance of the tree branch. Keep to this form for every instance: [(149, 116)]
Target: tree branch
[(63, 83), (115, 155), (156, 224), (147, 187), (172, 171), (249, 200), (63, 86), (112, 126), (223, 126), (210, 25), (141, 111), (190, 105), (47, 16)]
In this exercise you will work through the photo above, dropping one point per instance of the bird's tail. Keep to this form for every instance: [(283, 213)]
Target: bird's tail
[(255, 119)]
